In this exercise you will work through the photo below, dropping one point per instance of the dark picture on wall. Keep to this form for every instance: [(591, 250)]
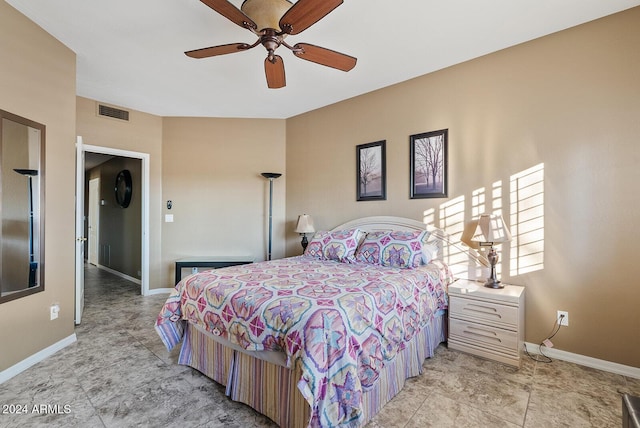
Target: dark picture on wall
[(371, 166), (428, 153)]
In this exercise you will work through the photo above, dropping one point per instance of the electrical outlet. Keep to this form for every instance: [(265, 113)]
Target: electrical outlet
[(565, 318), (55, 309)]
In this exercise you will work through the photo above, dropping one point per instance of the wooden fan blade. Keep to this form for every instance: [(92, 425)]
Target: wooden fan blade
[(304, 13), (217, 50), (274, 70), (232, 13), (324, 56)]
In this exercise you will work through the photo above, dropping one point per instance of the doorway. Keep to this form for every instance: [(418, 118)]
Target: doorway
[(82, 151)]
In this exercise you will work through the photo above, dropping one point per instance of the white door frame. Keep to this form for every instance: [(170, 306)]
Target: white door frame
[(144, 191), (80, 238)]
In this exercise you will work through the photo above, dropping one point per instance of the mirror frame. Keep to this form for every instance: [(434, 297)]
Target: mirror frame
[(123, 187), (41, 213)]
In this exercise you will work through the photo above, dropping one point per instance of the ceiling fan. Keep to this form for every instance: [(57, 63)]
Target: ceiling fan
[(272, 21)]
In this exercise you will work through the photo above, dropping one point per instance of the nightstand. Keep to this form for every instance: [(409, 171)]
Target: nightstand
[(487, 322)]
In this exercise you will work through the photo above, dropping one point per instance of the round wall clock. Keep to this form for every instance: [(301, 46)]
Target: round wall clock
[(123, 188)]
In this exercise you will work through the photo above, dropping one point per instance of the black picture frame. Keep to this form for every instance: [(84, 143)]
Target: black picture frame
[(429, 164), (371, 167)]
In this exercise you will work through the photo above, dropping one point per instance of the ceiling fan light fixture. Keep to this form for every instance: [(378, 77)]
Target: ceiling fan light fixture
[(272, 21), (266, 13)]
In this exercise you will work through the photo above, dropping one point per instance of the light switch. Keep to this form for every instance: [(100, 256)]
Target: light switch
[(168, 218), (55, 310)]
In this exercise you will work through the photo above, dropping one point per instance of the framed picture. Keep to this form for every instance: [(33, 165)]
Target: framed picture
[(371, 165), (428, 153)]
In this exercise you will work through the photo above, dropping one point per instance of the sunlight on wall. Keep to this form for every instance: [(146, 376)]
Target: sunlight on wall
[(451, 216), (527, 221), (496, 203), (477, 202), (429, 217), (523, 212), (496, 197)]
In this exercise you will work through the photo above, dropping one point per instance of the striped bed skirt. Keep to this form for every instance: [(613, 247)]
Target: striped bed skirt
[(271, 389)]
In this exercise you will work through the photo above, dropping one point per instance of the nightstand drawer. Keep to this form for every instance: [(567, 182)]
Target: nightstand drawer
[(483, 334), (484, 311)]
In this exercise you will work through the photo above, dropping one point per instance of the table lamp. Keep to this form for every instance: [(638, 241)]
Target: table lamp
[(304, 226), (490, 231)]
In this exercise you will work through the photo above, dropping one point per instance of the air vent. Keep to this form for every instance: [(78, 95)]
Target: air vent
[(113, 112)]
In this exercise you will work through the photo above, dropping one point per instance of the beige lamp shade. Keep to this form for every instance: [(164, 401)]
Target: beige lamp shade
[(305, 224), (491, 230), (266, 13)]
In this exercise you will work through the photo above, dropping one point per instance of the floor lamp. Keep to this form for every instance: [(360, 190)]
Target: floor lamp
[(33, 265), (270, 176)]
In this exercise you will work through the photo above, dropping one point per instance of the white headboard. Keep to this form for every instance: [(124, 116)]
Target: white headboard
[(437, 237), (371, 224), (383, 223)]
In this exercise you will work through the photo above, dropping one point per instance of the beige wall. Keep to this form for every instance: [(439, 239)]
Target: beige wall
[(37, 81), (211, 173), (210, 169), (143, 134), (569, 101)]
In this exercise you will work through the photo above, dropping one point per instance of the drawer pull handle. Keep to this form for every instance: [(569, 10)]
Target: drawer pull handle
[(482, 309), (491, 335)]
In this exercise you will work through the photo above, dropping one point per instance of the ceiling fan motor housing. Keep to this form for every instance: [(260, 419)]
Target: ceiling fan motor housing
[(266, 13)]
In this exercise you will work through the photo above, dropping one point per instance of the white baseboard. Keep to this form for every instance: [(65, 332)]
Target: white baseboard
[(159, 291), (120, 274), (583, 360), (18, 368)]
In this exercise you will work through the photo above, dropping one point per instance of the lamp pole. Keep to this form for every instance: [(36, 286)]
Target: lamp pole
[(33, 265), (270, 176)]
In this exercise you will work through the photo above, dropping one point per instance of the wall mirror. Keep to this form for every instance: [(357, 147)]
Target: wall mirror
[(22, 144)]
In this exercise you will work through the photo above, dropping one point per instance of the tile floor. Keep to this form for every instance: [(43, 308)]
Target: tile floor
[(118, 374)]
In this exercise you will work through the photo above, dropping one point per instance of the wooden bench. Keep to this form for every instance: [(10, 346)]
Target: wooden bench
[(213, 262)]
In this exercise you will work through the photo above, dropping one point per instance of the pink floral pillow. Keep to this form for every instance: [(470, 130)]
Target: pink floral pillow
[(392, 249), (314, 249), (337, 245)]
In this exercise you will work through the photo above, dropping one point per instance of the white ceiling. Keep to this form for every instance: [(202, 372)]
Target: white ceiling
[(130, 53)]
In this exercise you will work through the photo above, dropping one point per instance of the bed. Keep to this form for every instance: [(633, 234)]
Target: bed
[(323, 339)]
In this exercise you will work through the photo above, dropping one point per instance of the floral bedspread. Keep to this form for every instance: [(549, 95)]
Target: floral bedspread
[(343, 321)]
